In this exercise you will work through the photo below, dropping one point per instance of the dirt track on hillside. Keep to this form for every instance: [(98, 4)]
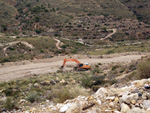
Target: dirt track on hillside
[(13, 43), (109, 35), (28, 68)]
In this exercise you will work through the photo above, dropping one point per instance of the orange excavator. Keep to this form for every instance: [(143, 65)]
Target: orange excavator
[(79, 67)]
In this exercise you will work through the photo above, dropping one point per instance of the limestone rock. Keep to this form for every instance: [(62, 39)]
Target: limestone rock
[(65, 107), (139, 83), (99, 102), (110, 98), (128, 98), (146, 104), (148, 110), (133, 101), (102, 92), (73, 109), (124, 108), (116, 100)]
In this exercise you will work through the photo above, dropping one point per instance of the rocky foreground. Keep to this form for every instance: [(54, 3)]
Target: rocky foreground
[(134, 98)]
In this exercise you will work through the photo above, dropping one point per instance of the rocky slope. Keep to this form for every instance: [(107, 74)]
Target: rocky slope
[(133, 97)]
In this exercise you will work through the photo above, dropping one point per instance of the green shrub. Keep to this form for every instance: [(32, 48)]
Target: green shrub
[(96, 70), (115, 67), (90, 81), (98, 80), (111, 82), (86, 81), (143, 69), (8, 91), (4, 60), (9, 104), (32, 97), (64, 93)]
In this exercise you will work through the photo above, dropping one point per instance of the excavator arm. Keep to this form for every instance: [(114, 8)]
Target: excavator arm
[(71, 59)]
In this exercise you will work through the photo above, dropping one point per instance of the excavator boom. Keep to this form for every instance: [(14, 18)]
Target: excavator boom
[(71, 59), (80, 66)]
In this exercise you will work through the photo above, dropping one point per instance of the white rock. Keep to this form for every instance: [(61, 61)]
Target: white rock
[(111, 104), (148, 110), (128, 98), (59, 105), (47, 101), (149, 80), (139, 82), (110, 98), (146, 104), (99, 102), (117, 112), (65, 107), (136, 110), (102, 92), (124, 108), (117, 91), (72, 108), (22, 101)]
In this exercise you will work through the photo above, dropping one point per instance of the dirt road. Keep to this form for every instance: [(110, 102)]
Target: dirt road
[(10, 72), (109, 35), (58, 43)]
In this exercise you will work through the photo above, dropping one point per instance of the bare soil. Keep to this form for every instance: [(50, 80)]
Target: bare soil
[(16, 70)]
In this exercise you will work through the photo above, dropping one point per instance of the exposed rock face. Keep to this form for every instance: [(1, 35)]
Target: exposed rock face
[(128, 99)]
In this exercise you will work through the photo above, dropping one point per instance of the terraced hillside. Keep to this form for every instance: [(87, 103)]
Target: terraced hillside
[(90, 20), (140, 8), (41, 14)]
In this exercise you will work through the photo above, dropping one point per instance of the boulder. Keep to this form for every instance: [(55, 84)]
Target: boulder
[(128, 98), (99, 102), (110, 98), (65, 107), (133, 101), (117, 91), (102, 92), (139, 83), (148, 110), (116, 100), (124, 108), (73, 109), (146, 104)]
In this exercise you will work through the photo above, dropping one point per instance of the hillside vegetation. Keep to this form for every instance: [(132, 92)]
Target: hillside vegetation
[(31, 14), (140, 8)]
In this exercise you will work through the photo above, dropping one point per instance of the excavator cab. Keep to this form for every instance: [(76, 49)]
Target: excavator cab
[(79, 67)]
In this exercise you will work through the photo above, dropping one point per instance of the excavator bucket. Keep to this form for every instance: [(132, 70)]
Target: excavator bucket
[(61, 67)]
